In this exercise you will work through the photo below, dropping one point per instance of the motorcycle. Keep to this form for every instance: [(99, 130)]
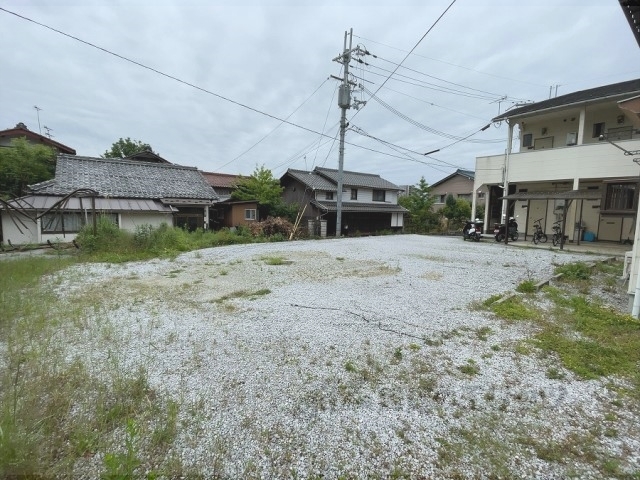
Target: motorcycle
[(499, 230), (472, 231)]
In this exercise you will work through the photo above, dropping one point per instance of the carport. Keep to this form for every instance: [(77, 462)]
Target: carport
[(568, 196)]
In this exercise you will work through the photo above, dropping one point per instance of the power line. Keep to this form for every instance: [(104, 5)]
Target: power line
[(277, 126), (360, 131), (496, 95), (424, 127), (431, 86), (453, 64), (416, 45), (159, 72)]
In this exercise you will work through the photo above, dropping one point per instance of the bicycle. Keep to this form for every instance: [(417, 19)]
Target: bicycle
[(558, 236), (539, 236)]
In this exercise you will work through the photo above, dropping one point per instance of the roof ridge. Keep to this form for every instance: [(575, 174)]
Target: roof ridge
[(127, 162)]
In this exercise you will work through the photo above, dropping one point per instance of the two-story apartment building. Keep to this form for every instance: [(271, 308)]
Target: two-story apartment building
[(369, 202), (570, 165)]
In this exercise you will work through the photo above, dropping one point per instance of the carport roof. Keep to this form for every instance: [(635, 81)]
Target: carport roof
[(567, 195)]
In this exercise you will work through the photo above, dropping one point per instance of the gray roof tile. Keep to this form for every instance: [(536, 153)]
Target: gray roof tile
[(126, 179), (327, 179)]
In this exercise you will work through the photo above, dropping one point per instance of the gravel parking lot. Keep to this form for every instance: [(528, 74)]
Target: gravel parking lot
[(347, 358)]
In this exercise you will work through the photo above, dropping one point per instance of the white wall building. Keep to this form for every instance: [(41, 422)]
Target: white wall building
[(569, 157)]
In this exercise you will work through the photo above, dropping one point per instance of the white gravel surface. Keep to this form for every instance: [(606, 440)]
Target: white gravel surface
[(348, 364)]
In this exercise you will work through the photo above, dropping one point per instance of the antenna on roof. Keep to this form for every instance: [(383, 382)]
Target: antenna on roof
[(38, 113), (48, 130)]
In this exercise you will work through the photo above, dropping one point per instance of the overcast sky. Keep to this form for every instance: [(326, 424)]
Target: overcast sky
[(480, 58)]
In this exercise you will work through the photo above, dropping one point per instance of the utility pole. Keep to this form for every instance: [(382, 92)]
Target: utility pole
[(344, 102)]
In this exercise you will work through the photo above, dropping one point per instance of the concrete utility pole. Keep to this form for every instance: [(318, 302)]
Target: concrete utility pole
[(344, 102)]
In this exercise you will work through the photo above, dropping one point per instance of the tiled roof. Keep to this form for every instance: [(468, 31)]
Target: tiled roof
[(330, 206), (125, 179), (621, 89), (327, 179), (357, 179), (21, 130), (221, 180), (470, 174), (312, 180)]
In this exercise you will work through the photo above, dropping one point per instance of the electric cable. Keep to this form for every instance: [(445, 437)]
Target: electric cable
[(274, 129), (161, 73)]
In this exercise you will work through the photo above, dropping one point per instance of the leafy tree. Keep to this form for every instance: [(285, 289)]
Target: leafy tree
[(125, 147), (419, 202), (262, 187), (24, 164), (456, 211)]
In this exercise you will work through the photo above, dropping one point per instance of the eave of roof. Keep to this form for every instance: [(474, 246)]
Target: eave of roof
[(21, 132), (566, 195), (347, 207), (582, 97)]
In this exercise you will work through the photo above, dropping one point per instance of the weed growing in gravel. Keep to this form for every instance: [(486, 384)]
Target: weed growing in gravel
[(483, 333), (243, 294), (54, 411), (574, 271), (276, 261), (470, 368), (514, 309), (528, 286)]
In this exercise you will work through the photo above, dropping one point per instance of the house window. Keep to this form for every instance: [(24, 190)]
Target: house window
[(465, 196), (250, 214), (328, 195), (71, 221), (572, 138), (354, 194), (527, 140), (620, 196), (443, 198), (378, 195), (598, 129)]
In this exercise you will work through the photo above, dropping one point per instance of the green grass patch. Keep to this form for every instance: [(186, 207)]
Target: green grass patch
[(276, 260), (514, 309), (574, 271), (111, 244), (528, 286)]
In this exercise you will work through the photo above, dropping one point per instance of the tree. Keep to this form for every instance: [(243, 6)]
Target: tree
[(266, 190), (419, 202), (457, 211), (24, 164), (125, 147)]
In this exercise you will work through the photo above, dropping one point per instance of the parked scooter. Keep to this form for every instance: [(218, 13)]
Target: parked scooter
[(472, 230), (499, 230)]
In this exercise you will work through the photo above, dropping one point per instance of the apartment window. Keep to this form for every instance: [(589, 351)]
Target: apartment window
[(598, 129), (378, 195), (354, 194), (620, 197), (527, 140), (328, 195), (71, 221), (250, 214)]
